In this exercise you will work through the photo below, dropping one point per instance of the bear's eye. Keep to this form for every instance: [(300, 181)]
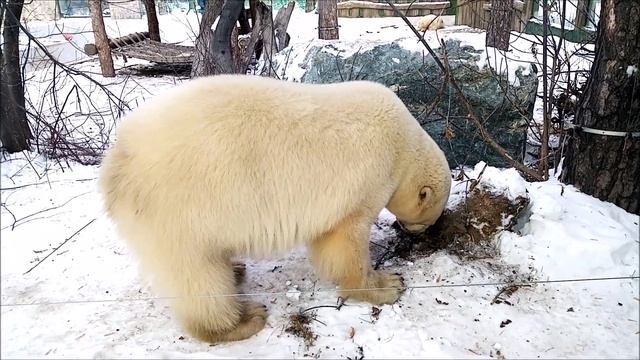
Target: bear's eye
[(425, 192)]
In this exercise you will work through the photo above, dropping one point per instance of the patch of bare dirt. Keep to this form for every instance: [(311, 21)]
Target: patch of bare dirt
[(300, 326), (467, 231)]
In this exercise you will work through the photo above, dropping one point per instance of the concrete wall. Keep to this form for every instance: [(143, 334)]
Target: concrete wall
[(40, 10), (48, 10), (126, 9)]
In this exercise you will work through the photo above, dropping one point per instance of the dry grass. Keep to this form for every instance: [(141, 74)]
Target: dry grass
[(300, 326)]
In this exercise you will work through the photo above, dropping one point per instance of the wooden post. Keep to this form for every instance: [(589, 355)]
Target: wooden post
[(152, 20), (102, 43), (328, 20), (461, 13), (499, 29)]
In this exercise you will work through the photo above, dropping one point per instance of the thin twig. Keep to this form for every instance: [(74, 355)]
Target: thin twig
[(59, 246), (12, 215), (338, 306), (476, 181), (45, 210)]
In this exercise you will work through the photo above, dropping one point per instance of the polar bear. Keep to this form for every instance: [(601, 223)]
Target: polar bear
[(241, 165), (429, 22)]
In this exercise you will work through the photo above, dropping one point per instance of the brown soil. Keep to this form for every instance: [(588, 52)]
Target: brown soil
[(299, 325), (467, 231)]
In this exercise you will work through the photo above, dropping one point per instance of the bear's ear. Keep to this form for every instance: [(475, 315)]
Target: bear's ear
[(425, 193)]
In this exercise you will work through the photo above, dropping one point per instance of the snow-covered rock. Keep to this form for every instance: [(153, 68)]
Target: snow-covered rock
[(506, 103)]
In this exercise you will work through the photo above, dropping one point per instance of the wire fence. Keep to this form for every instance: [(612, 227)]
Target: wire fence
[(279, 293)]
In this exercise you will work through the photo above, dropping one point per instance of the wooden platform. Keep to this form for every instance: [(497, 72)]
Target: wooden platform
[(370, 9), (161, 53)]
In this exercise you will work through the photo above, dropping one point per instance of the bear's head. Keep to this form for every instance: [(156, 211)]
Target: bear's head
[(423, 192)]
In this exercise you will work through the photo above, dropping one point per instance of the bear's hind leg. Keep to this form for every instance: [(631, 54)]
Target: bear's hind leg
[(205, 304), (342, 255)]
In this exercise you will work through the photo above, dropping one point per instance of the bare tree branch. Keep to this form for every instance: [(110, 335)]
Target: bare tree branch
[(471, 115)]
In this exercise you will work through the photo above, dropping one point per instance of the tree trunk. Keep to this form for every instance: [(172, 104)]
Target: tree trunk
[(280, 25), (101, 40), (14, 128), (222, 53), (251, 45), (267, 47), (309, 5), (606, 166), (236, 52), (274, 34), (328, 20), (203, 62), (500, 24), (152, 20)]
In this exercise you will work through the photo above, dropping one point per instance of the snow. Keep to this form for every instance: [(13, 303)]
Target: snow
[(499, 181), (357, 35), (94, 282), (631, 69), (87, 300)]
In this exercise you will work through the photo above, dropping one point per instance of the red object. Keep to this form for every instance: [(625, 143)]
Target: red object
[(67, 36)]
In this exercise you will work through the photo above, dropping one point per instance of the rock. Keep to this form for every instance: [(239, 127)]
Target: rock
[(506, 105)]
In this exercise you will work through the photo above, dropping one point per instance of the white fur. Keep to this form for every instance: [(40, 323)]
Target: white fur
[(243, 165)]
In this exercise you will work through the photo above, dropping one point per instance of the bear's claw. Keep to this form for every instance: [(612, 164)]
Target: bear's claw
[(382, 288), (239, 271)]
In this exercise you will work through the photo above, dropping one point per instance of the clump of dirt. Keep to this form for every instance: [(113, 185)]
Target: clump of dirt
[(502, 297), (467, 231), (156, 70), (299, 325)]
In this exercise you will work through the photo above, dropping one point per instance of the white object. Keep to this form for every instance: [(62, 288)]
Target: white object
[(429, 22)]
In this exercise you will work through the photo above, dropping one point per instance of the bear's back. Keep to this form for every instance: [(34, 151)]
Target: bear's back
[(261, 158)]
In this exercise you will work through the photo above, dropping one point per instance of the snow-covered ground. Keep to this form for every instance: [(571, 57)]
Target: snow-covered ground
[(86, 299)]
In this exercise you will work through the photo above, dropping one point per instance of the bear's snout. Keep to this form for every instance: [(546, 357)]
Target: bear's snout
[(413, 228)]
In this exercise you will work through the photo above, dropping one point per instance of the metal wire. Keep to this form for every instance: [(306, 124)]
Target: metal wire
[(412, 287)]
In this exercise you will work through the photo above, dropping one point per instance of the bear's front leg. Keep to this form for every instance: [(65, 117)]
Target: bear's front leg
[(342, 255)]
